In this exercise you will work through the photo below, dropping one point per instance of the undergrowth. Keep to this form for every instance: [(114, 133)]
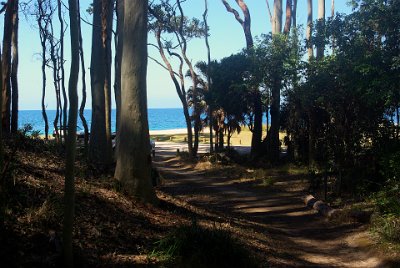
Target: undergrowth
[(195, 246)]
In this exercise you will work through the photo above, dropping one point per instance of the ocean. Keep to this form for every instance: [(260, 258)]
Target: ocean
[(159, 119)]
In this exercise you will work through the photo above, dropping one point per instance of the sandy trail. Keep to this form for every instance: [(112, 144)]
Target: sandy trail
[(275, 223)]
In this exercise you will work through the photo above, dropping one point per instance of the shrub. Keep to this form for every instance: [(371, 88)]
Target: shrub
[(387, 226)]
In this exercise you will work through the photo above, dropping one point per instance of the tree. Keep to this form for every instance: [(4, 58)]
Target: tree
[(133, 158), (100, 147), (61, 80), (83, 101), (43, 23), (14, 69), (288, 21), (246, 25), (118, 57), (6, 65), (321, 29), (69, 192), (170, 20), (309, 28), (272, 139), (245, 22), (210, 109)]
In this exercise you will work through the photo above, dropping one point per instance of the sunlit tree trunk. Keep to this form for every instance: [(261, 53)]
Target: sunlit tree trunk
[(133, 158), (321, 22), (69, 192), (14, 69), (309, 29), (277, 17)]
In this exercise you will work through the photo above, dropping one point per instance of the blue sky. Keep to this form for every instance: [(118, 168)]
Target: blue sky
[(226, 37)]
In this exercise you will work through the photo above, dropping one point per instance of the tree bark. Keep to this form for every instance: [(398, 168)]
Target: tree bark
[(118, 58), (294, 14), (273, 141), (6, 65), (61, 62), (288, 21), (14, 70), (69, 192), (309, 29), (133, 158), (100, 151), (257, 128), (2, 178), (321, 22), (277, 18)]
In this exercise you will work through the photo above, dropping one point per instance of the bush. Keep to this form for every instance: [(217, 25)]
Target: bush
[(387, 226), (194, 246)]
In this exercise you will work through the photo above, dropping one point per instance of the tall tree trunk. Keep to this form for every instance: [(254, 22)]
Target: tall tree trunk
[(277, 17), (83, 101), (107, 22), (133, 158), (6, 65), (210, 115), (309, 29), (55, 60), (43, 24), (257, 128), (61, 62), (333, 8), (100, 151), (273, 143), (321, 23), (294, 14), (14, 70), (196, 109), (2, 178), (69, 192), (288, 21), (118, 58)]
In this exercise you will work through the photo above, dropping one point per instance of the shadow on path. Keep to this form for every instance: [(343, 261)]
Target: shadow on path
[(274, 223)]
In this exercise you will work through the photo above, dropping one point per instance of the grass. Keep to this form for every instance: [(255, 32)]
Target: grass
[(243, 138), (195, 246)]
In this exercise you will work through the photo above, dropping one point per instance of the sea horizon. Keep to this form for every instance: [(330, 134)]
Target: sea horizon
[(159, 119)]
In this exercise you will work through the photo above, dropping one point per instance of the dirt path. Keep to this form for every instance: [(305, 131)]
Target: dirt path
[(274, 222)]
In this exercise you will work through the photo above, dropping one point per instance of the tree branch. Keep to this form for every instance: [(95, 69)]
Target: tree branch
[(233, 11)]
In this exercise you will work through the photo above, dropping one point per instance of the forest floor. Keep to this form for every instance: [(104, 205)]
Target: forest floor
[(114, 230)]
